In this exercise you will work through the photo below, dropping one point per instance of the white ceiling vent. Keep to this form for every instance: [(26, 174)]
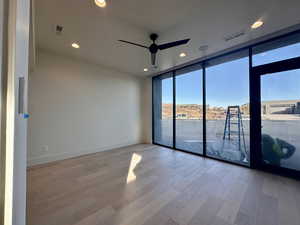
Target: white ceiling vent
[(203, 48), (234, 36)]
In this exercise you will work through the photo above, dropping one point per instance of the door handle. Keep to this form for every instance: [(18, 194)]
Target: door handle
[(21, 95)]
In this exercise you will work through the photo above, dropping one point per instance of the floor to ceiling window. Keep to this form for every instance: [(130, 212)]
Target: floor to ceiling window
[(212, 106), (189, 109), (227, 108), (163, 109)]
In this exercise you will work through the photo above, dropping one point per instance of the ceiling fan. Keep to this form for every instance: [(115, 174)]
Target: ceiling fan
[(153, 48)]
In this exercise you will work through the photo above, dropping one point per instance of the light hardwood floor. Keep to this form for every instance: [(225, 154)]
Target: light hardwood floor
[(152, 185)]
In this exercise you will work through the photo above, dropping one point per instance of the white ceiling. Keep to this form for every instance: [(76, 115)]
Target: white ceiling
[(206, 22)]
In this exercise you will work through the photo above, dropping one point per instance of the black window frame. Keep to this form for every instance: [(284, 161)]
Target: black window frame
[(254, 101), (256, 73)]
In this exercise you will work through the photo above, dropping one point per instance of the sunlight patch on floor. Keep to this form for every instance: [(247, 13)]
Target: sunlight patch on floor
[(135, 160)]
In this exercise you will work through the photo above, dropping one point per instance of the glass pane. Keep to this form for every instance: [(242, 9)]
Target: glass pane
[(280, 49), (280, 96), (189, 112), (228, 120), (163, 110)]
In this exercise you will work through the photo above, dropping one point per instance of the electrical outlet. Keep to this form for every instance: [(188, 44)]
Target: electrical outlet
[(44, 148)]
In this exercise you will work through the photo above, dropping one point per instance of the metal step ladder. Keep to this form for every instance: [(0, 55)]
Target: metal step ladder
[(234, 128)]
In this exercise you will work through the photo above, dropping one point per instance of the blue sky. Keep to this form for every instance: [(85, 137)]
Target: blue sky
[(228, 83)]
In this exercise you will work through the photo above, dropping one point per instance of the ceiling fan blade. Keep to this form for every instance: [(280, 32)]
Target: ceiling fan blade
[(173, 44), (128, 42), (153, 58)]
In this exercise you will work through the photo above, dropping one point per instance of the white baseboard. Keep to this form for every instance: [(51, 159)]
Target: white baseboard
[(67, 155)]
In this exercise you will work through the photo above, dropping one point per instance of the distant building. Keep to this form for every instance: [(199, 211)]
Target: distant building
[(280, 107)]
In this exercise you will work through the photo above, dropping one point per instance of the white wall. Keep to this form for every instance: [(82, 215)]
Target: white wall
[(78, 108)]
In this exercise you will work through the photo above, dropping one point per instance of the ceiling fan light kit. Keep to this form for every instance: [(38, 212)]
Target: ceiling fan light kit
[(101, 3)]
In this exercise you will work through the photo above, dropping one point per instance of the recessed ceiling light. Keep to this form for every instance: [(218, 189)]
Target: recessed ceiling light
[(182, 55), (145, 69), (257, 24), (101, 3), (75, 45)]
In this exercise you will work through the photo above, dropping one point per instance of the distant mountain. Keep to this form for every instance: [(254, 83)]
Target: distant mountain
[(195, 111)]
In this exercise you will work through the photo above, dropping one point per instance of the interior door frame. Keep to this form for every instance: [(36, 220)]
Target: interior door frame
[(13, 123), (256, 73), (3, 102)]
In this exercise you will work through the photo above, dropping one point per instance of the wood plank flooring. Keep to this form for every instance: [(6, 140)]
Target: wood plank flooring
[(152, 185)]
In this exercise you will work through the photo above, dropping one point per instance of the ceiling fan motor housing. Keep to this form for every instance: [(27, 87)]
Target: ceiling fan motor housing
[(153, 48)]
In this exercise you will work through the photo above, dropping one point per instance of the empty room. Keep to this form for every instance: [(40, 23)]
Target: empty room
[(140, 112)]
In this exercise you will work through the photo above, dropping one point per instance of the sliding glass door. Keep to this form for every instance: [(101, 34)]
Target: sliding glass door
[(189, 110), (163, 110), (277, 111), (280, 102)]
